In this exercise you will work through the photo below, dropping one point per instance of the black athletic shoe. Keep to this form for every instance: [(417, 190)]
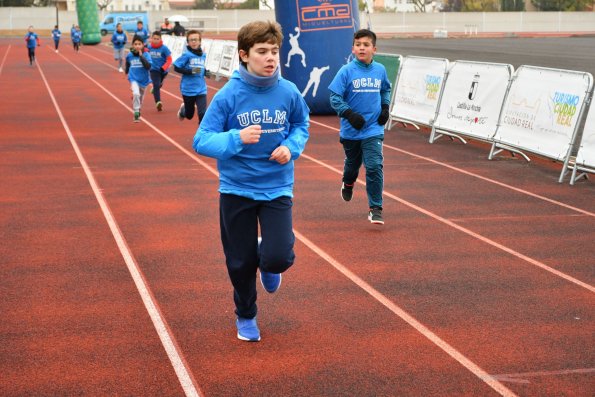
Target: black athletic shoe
[(375, 216), (346, 192)]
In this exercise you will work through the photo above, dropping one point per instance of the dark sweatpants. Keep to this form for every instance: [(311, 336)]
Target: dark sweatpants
[(200, 101), (157, 77), (239, 219)]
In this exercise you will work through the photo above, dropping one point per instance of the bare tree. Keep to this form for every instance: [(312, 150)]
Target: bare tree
[(102, 4)]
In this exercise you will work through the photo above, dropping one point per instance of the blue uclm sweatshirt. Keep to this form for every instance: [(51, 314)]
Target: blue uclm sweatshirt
[(119, 39), (364, 88), (245, 169), (192, 84), (136, 70)]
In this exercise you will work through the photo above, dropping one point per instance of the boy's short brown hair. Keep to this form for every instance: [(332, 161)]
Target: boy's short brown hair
[(191, 32), (258, 32)]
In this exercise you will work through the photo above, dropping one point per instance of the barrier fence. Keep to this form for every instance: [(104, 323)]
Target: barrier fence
[(537, 110), (585, 158)]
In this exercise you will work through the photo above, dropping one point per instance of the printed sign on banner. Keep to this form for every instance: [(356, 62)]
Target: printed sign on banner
[(586, 152), (214, 56), (472, 98), (227, 58), (418, 89), (542, 110)]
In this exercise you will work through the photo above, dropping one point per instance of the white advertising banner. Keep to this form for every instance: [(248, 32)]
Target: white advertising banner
[(542, 110), (214, 56), (418, 89), (586, 152), (230, 49), (177, 45), (472, 98), (205, 44)]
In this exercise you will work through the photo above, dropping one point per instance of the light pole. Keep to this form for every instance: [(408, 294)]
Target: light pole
[(57, 16)]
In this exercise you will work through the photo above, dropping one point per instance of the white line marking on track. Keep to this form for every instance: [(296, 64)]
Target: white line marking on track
[(419, 327), (519, 377), (468, 364), (467, 231), (4, 59), (164, 332), (526, 192)]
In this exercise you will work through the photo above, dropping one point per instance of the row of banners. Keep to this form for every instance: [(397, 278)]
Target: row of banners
[(534, 109)]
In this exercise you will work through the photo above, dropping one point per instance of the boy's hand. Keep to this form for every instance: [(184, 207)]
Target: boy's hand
[(281, 155), (251, 134), (356, 120), (384, 114), (134, 52)]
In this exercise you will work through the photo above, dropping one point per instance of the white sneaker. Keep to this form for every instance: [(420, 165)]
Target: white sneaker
[(121, 70)]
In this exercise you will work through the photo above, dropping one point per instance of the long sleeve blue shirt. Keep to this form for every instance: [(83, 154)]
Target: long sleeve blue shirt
[(245, 169), (363, 89)]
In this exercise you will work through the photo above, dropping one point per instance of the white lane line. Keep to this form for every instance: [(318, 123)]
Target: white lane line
[(163, 330), (468, 364), (501, 184), (4, 59), (419, 327), (478, 236), (520, 377)]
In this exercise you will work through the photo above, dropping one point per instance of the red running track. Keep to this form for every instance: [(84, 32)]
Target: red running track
[(113, 279)]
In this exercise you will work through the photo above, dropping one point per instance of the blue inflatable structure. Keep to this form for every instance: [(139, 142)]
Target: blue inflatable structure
[(318, 36)]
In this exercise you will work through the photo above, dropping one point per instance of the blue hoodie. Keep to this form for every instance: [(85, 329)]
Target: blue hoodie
[(245, 169)]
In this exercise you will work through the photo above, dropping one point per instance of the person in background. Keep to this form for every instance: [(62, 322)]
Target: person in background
[(32, 41), (256, 127), (56, 36), (178, 29), (160, 62), (119, 40), (360, 94), (166, 27), (191, 65), (77, 36), (138, 64), (142, 32)]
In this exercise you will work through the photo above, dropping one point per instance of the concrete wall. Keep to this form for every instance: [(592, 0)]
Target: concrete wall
[(18, 19)]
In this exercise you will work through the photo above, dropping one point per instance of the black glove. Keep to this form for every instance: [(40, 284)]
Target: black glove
[(356, 120), (384, 114), (134, 52)]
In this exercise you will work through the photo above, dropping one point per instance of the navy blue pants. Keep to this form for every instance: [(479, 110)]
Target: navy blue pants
[(157, 77), (200, 101), (239, 220), (368, 151)]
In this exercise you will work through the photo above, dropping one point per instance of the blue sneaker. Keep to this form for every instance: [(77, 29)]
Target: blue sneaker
[(270, 281), (248, 329)]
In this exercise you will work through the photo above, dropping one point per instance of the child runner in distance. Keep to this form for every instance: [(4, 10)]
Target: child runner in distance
[(360, 94), (138, 64), (161, 59), (56, 36), (119, 40), (32, 41), (256, 127), (191, 64), (142, 32), (77, 36)]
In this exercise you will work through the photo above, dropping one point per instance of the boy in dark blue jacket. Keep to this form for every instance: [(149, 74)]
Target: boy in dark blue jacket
[(360, 94), (256, 126)]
